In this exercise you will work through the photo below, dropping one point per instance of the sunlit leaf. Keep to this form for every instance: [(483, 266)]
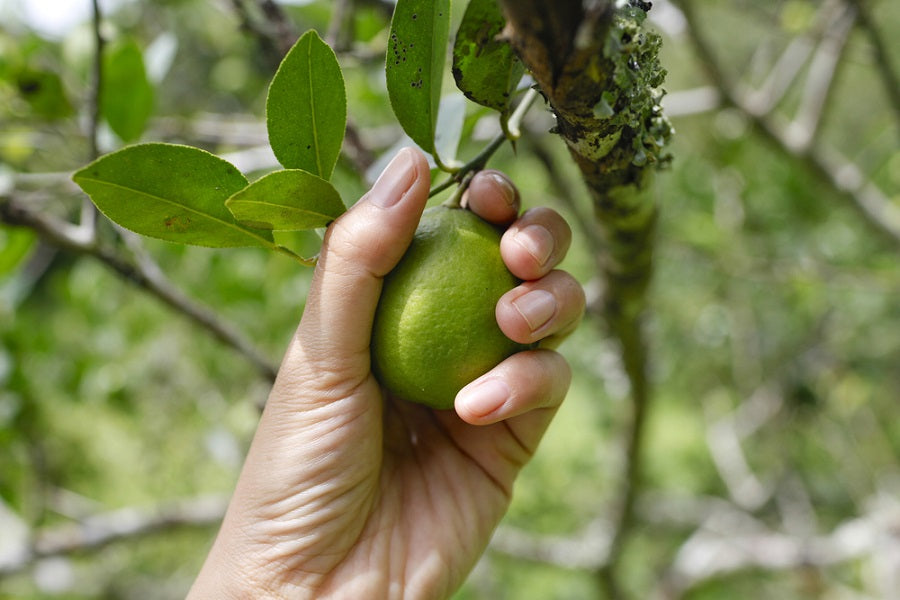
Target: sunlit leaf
[(126, 97), (415, 64), (306, 110), (485, 68), (289, 200), (174, 193)]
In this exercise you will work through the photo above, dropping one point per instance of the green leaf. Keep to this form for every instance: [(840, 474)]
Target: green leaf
[(174, 193), (290, 200), (126, 96), (306, 110), (44, 92), (15, 246), (485, 68), (415, 64)]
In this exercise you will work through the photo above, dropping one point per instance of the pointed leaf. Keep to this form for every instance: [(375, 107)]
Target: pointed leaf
[(126, 98), (485, 68), (415, 65), (306, 110), (174, 193), (289, 200)]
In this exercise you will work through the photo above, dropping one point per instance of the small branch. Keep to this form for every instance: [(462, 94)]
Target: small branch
[(96, 82), (98, 531), (480, 160), (65, 236), (587, 550), (341, 25), (804, 129), (724, 546), (89, 214), (281, 24)]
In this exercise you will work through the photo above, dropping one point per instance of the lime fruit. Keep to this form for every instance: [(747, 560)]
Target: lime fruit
[(435, 328)]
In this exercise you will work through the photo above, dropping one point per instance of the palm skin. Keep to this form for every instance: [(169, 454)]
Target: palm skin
[(349, 493)]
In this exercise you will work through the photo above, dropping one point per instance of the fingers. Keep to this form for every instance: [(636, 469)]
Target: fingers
[(493, 197), (520, 384), (360, 248), (536, 243), (550, 306)]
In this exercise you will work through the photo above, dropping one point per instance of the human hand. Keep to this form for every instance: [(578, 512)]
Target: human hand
[(347, 492)]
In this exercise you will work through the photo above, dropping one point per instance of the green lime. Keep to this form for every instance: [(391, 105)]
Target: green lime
[(435, 329)]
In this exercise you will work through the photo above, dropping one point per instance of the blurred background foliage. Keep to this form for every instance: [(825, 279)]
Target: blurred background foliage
[(772, 447)]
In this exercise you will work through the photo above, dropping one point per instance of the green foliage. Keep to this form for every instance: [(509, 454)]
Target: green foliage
[(485, 68), (126, 97), (306, 110), (287, 200), (174, 193), (414, 66), (767, 285)]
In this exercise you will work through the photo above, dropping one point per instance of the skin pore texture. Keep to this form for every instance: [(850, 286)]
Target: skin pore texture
[(348, 492)]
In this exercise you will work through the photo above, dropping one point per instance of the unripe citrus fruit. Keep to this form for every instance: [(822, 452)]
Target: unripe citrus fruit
[(435, 327)]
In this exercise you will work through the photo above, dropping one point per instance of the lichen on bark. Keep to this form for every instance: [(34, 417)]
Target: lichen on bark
[(598, 66)]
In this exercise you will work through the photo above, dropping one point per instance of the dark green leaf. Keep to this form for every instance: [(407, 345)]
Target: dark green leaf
[(485, 68), (306, 110), (126, 98), (415, 64), (174, 193), (289, 200), (44, 92)]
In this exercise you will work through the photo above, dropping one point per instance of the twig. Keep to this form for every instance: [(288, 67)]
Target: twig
[(65, 236), (729, 543), (341, 21), (588, 550), (480, 160), (89, 214), (804, 129), (98, 531), (843, 177)]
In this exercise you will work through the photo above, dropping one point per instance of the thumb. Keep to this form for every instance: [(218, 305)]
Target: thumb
[(360, 248)]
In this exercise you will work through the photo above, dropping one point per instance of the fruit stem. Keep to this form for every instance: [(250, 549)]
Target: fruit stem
[(511, 132), (455, 199)]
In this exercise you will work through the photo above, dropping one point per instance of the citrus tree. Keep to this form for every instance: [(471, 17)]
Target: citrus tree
[(167, 171)]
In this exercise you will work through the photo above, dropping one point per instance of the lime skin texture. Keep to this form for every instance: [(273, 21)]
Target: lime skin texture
[(435, 328)]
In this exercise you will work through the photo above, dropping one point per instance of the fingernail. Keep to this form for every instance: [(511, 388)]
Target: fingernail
[(394, 181), (484, 397), (536, 307), (537, 241), (505, 186)]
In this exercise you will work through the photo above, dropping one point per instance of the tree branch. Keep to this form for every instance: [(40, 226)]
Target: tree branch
[(826, 165), (66, 236), (98, 531), (599, 70)]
